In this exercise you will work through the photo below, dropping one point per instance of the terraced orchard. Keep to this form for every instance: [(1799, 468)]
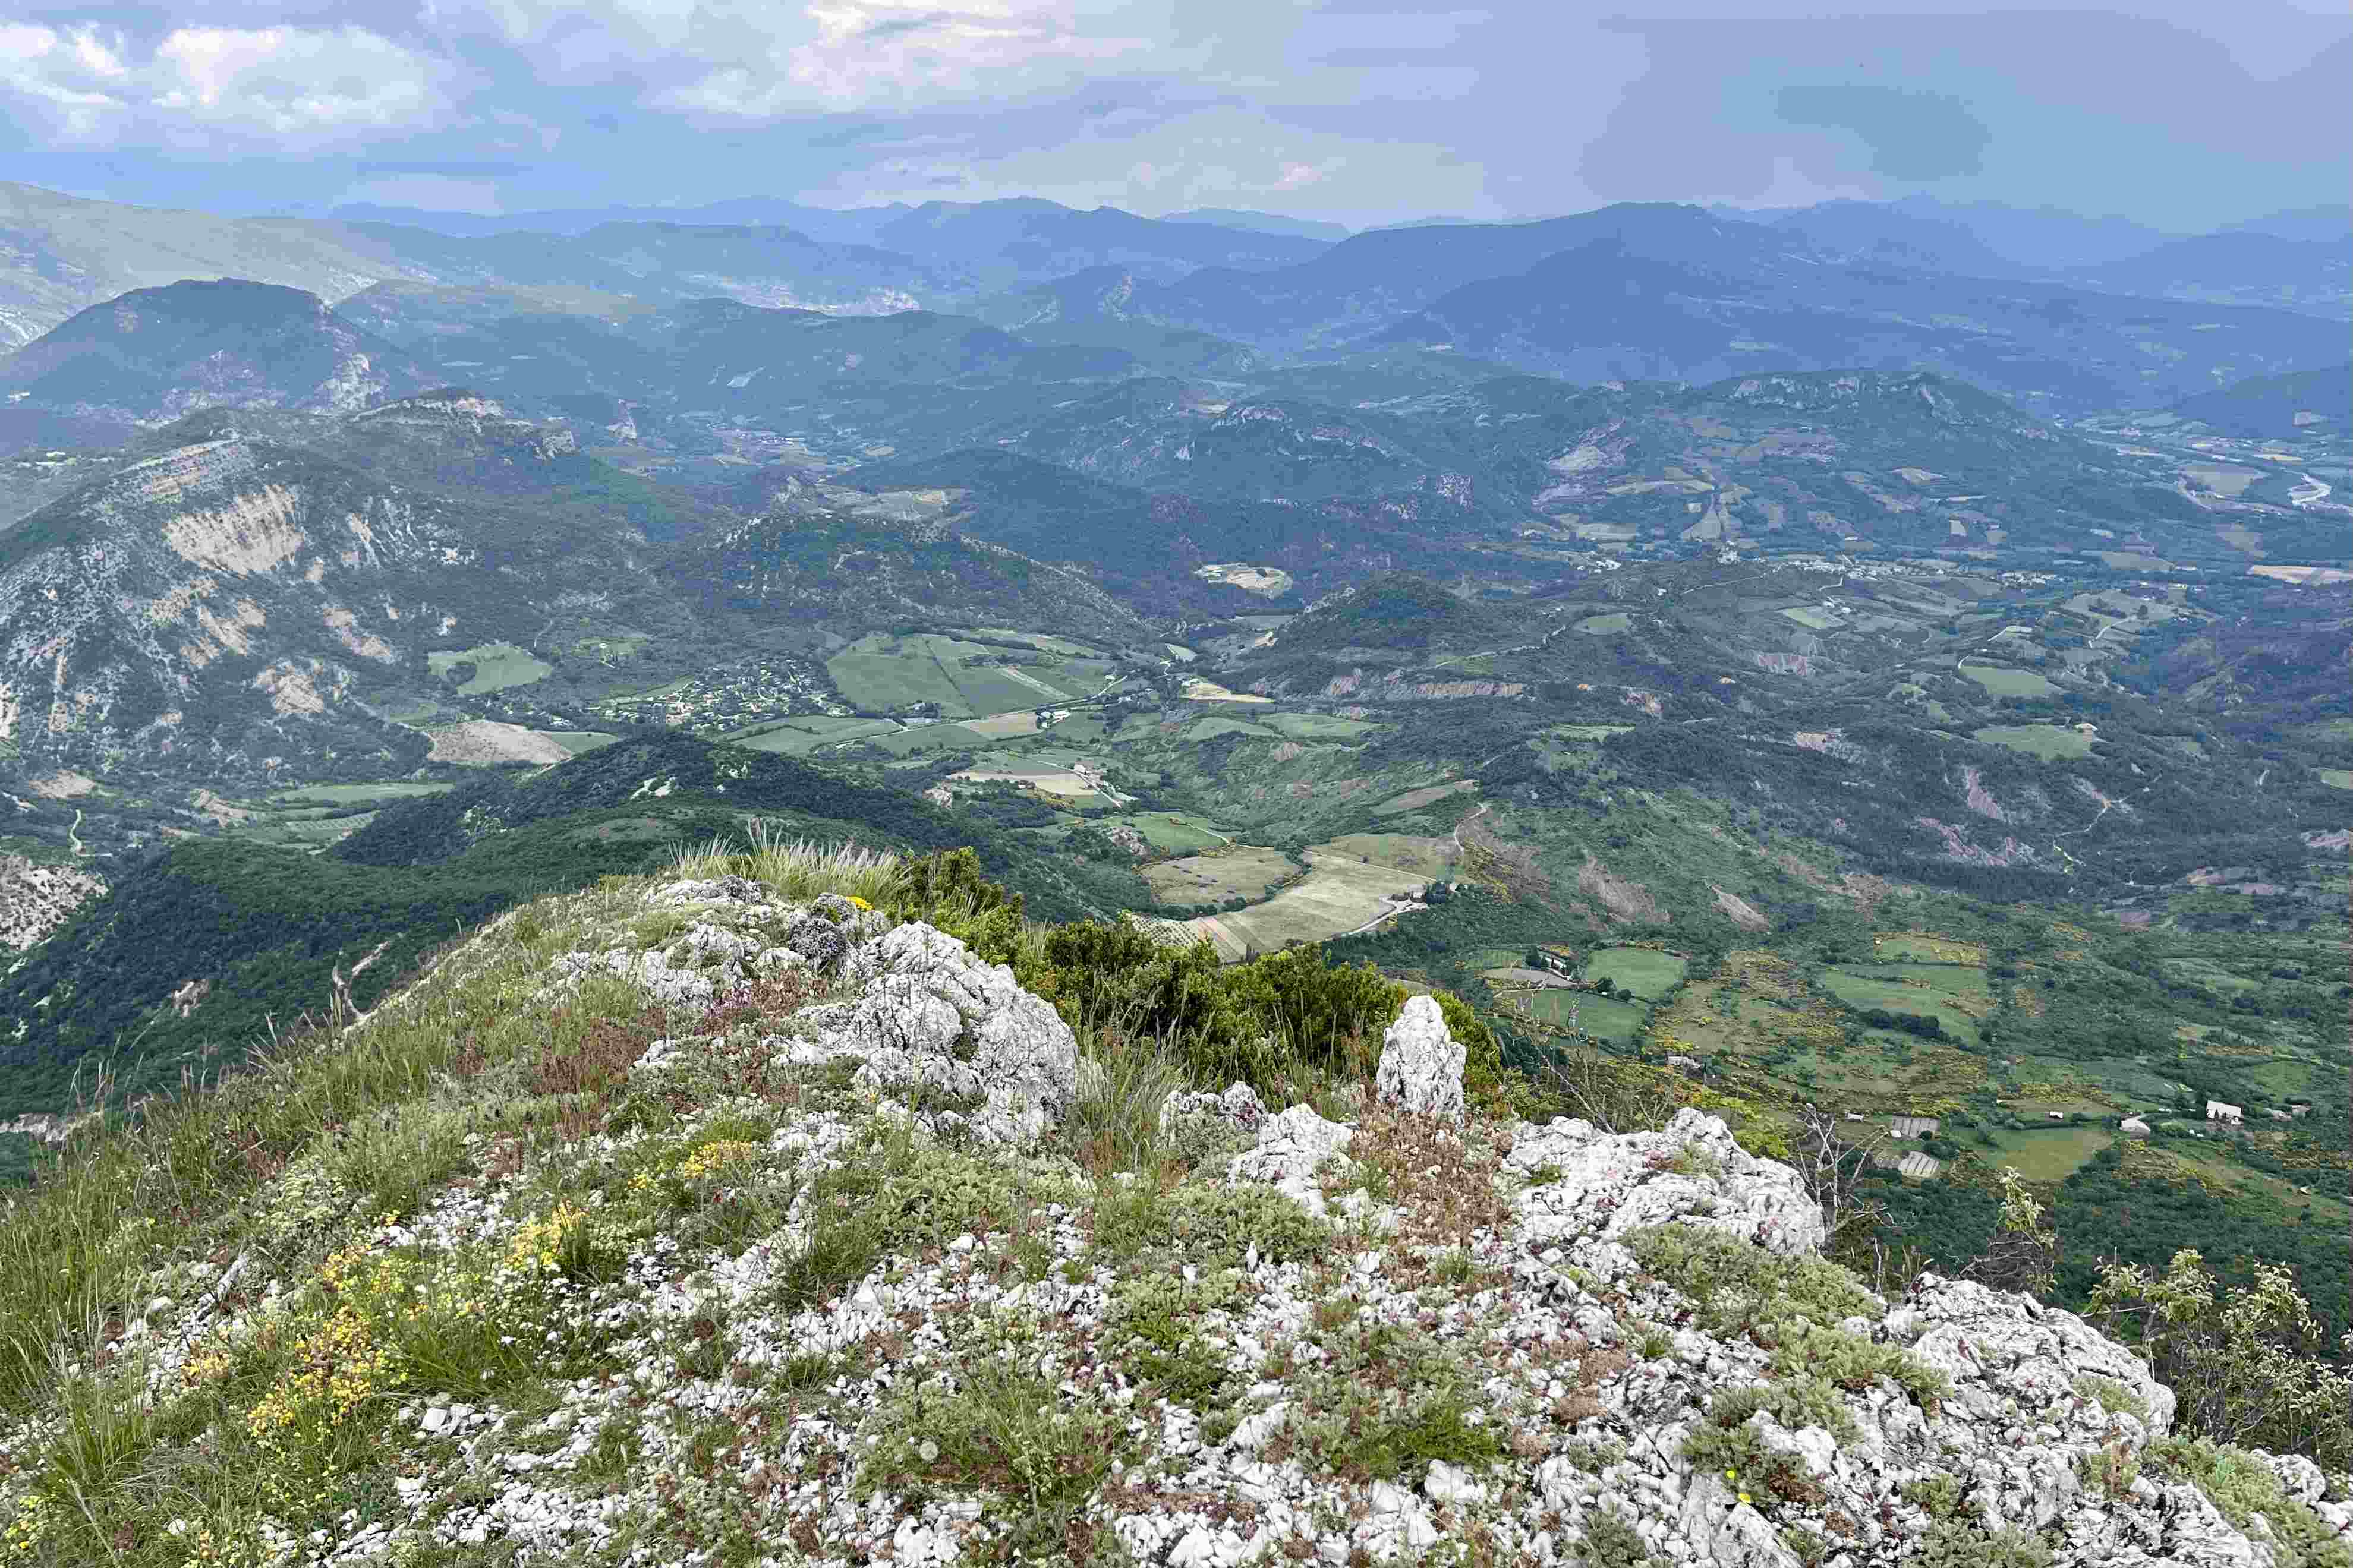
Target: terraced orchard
[(724, 1217)]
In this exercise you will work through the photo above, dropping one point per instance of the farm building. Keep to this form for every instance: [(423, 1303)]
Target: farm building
[(2134, 1127), (1913, 1127), (2222, 1111)]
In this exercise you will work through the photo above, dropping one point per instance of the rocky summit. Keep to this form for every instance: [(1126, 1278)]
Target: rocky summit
[(720, 1217)]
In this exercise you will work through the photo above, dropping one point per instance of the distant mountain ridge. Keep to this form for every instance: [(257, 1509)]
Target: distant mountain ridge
[(155, 354)]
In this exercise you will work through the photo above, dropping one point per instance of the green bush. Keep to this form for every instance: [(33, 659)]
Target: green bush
[(1737, 1285)]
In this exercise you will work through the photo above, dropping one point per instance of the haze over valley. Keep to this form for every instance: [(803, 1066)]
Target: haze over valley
[(1803, 626)]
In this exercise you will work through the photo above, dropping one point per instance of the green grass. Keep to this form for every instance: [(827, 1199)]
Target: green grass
[(1318, 726), (1210, 729), (357, 793), (796, 736), (1172, 833), (497, 667), (2048, 1156), (1604, 1017), (1648, 974), (2049, 741), (884, 673), (2003, 681), (577, 742), (1812, 620), (2337, 778), (1881, 985), (1602, 625)]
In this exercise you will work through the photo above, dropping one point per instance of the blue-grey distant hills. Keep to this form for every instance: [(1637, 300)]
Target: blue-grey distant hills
[(158, 354)]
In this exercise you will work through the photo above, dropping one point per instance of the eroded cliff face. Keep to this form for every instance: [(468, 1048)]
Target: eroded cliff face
[(221, 605), (36, 899)]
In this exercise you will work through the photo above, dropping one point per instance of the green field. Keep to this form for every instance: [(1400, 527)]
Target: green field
[(497, 666), (356, 793), (1414, 799), (1172, 833), (1812, 620), (2001, 680), (1604, 1017), (2049, 741), (1925, 948), (2337, 778), (1210, 729), (578, 741), (795, 736), (1883, 985), (1602, 625), (2048, 1156), (1247, 872), (1318, 726), (1647, 975), (1430, 857), (963, 680)]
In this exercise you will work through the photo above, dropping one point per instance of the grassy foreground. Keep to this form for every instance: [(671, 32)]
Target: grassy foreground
[(522, 1269)]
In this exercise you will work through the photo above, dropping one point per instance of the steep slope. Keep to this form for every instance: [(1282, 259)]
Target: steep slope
[(259, 930), (1373, 280), (1160, 433), (1150, 549), (766, 266), (233, 607), (1614, 309), (157, 353), (65, 253), (1400, 613), (2244, 269), (830, 557), (704, 1213), (2277, 407)]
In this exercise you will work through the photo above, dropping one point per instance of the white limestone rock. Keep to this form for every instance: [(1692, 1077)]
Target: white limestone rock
[(1692, 1172), (1290, 1147), (1421, 1062), (931, 1020)]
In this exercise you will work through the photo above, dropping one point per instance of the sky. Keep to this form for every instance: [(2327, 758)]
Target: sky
[(2181, 114)]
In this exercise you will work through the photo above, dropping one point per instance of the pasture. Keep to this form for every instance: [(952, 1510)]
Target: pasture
[(1318, 726), (497, 667), (1954, 995), (2052, 742), (2007, 680), (1341, 893), (1646, 973), (1608, 1018), (1414, 799), (795, 736), (882, 673), (1246, 871)]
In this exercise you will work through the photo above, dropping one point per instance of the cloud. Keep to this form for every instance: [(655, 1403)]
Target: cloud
[(1361, 111), (1912, 135), (202, 88), (860, 53)]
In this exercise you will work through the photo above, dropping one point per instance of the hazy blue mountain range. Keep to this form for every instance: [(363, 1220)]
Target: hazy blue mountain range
[(157, 353)]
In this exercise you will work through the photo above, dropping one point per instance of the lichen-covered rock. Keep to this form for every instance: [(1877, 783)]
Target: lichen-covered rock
[(2026, 1367), (935, 1024), (819, 941), (1290, 1149), (1588, 1183), (1421, 1063), (1237, 1107)]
